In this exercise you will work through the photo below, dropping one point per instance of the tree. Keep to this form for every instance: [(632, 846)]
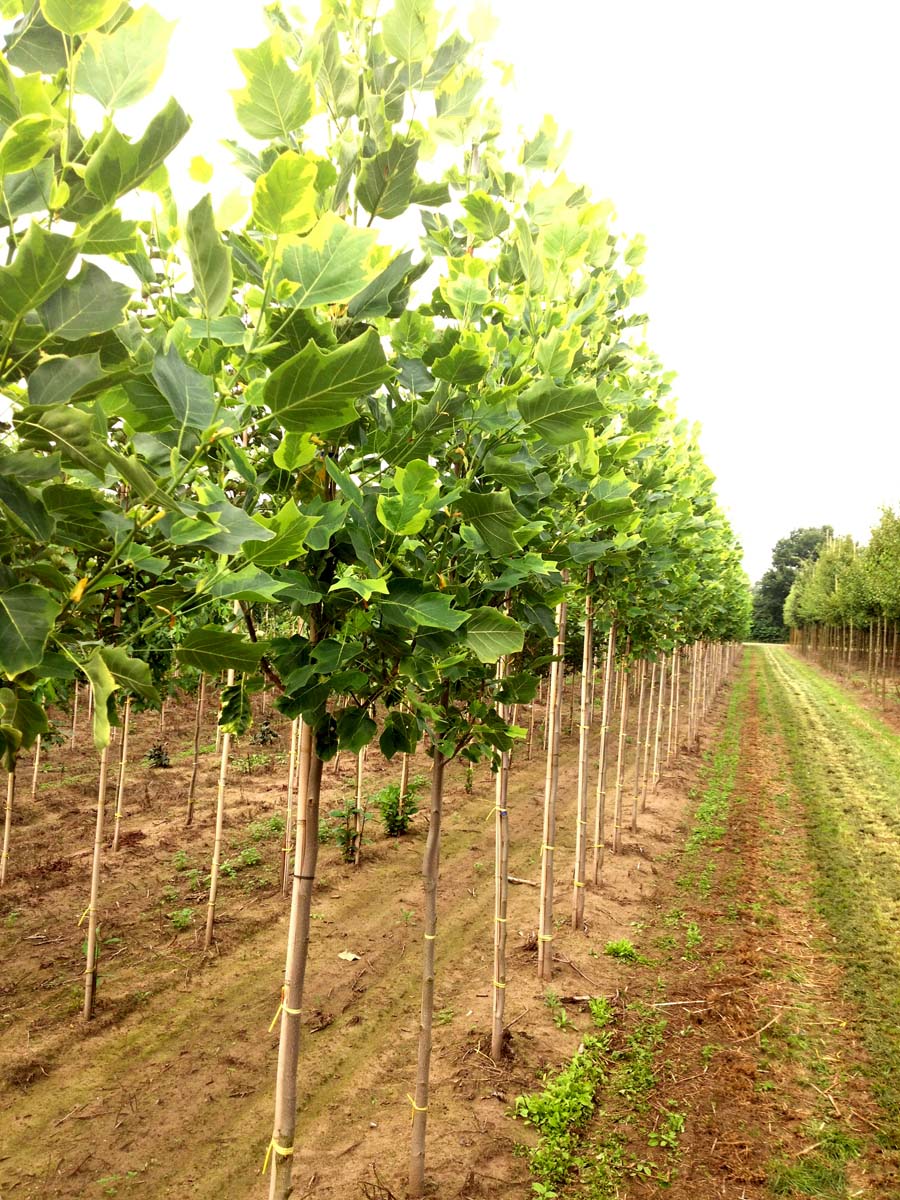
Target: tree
[(770, 593)]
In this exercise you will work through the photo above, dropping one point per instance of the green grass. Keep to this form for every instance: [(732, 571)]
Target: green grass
[(845, 766)]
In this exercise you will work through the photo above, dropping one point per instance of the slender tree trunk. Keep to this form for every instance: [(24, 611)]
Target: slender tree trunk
[(637, 745), (120, 783), (620, 762), (551, 787), (430, 866), (659, 718), (90, 968), (74, 717), (304, 762), (652, 704), (404, 784), (360, 810), (281, 1147), (195, 759), (531, 710), (501, 890), (600, 801), (289, 807), (673, 701), (7, 823), (217, 844), (581, 819)]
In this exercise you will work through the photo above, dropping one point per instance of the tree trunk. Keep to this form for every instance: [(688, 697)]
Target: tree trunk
[(501, 890), (430, 867), (195, 760), (217, 844), (74, 717), (90, 968), (659, 718), (281, 1146), (551, 787), (620, 762), (360, 809), (652, 705), (637, 745), (120, 783), (600, 803), (289, 806), (581, 819)]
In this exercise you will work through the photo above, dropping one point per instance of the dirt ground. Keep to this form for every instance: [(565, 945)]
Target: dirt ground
[(168, 1092)]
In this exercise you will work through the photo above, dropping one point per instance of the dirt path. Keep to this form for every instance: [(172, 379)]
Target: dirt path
[(746, 1047)]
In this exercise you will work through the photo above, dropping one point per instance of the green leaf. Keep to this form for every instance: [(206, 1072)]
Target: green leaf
[(236, 713), (314, 391), (612, 501), (290, 528), (190, 395), (386, 294), (410, 29), (486, 217), (416, 489), (130, 673), (333, 262), (400, 734), (58, 379), (68, 430), (355, 729), (103, 685), (21, 721), (495, 518), (213, 650), (25, 143), (26, 509), (78, 16), (408, 606), (88, 304), (365, 588), (386, 181), (560, 414), (284, 198), (122, 67), (491, 634), (249, 583), (210, 259), (467, 363), (467, 289), (294, 450), (110, 234), (27, 614), (41, 264), (276, 101), (118, 165)]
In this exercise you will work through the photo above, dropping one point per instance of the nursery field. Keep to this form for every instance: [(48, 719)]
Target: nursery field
[(732, 1000)]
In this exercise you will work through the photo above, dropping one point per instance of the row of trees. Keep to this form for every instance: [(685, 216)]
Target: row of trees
[(413, 461), (844, 606)]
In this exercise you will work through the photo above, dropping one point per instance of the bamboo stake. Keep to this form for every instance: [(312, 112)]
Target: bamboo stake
[(620, 762), (304, 760), (90, 969), (281, 1146), (637, 745), (120, 783), (501, 889), (195, 760), (74, 717), (217, 844), (7, 823), (659, 718), (37, 763), (430, 865), (360, 810), (551, 787), (652, 704), (581, 818), (600, 802)]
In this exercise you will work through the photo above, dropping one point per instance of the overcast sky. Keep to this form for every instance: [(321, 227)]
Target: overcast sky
[(755, 146)]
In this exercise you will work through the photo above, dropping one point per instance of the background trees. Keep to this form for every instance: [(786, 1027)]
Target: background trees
[(770, 593)]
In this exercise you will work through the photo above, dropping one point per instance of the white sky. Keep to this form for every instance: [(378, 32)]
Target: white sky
[(755, 146)]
